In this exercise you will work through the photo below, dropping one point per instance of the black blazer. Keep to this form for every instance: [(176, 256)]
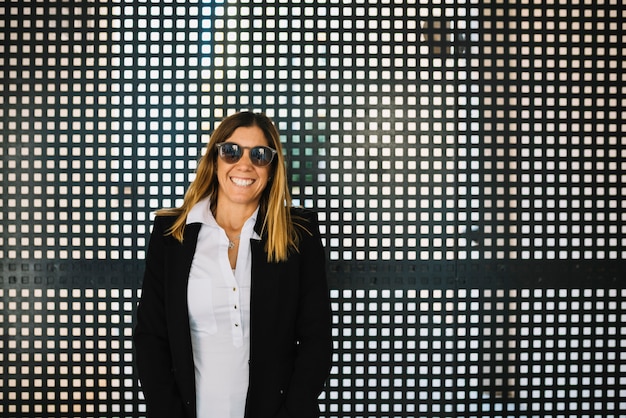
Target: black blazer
[(290, 326)]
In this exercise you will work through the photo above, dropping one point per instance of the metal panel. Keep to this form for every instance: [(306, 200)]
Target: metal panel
[(466, 159)]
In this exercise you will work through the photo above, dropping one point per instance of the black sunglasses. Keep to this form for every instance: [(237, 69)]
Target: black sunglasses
[(230, 153)]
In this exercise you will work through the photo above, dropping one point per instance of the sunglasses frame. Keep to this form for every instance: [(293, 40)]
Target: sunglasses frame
[(242, 149)]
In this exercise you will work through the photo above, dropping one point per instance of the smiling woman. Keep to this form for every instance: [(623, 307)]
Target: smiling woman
[(248, 333)]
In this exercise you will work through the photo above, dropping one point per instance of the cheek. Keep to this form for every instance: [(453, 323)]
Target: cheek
[(266, 176), (221, 170)]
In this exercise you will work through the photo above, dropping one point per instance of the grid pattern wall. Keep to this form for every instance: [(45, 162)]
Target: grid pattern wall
[(466, 159), (462, 345)]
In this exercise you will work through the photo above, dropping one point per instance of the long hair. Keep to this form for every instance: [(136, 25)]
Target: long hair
[(275, 200)]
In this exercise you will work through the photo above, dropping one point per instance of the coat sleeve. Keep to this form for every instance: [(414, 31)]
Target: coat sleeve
[(153, 357), (313, 329)]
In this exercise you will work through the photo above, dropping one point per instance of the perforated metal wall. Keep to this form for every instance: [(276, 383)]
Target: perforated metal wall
[(466, 159)]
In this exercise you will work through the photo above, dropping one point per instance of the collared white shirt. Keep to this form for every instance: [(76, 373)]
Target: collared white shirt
[(219, 316)]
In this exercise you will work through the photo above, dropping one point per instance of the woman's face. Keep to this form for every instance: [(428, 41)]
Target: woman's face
[(242, 183)]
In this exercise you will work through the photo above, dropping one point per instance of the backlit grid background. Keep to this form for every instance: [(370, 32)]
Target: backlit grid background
[(550, 148), (478, 352), (437, 349), (466, 160)]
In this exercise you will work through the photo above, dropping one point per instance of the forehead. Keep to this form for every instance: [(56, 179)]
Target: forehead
[(248, 136)]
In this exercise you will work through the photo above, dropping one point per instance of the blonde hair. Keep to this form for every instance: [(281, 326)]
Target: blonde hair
[(275, 201)]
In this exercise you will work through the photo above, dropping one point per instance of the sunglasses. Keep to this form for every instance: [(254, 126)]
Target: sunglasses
[(260, 156)]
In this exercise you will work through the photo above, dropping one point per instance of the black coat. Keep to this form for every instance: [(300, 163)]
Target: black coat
[(290, 327)]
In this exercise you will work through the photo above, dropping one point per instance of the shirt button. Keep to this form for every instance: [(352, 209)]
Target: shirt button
[(234, 289), (236, 325)]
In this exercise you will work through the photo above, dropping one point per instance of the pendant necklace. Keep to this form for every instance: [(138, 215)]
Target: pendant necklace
[(231, 244)]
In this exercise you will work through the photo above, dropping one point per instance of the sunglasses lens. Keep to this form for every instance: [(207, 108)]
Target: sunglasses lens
[(261, 156), (230, 153)]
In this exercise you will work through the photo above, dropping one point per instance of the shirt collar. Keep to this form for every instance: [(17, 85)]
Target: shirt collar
[(201, 213)]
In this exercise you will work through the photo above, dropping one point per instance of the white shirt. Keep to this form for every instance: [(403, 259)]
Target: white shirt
[(219, 316)]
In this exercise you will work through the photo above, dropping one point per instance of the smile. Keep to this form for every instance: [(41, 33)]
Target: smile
[(242, 182)]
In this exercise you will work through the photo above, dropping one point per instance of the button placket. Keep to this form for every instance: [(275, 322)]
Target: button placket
[(237, 330)]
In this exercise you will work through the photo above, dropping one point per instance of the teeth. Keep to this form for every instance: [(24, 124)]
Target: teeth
[(242, 182)]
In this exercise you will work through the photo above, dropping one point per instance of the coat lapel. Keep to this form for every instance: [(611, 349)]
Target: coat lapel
[(180, 258), (186, 252)]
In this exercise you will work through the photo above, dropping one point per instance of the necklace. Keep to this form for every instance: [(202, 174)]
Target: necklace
[(231, 243)]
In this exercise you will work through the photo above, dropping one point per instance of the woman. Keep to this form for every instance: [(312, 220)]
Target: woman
[(234, 315)]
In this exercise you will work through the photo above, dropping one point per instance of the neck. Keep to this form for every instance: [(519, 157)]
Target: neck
[(232, 218)]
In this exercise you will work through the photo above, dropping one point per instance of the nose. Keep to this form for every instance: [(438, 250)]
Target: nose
[(245, 158)]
